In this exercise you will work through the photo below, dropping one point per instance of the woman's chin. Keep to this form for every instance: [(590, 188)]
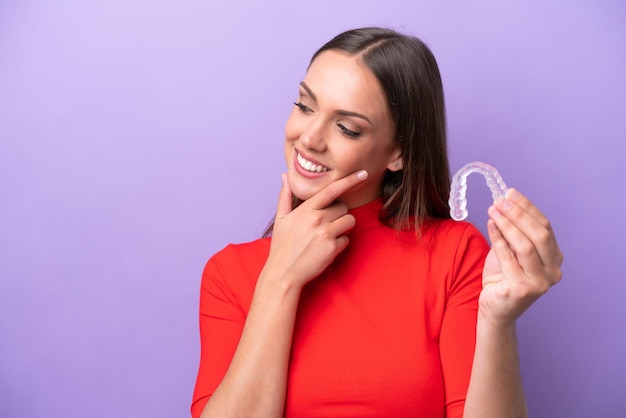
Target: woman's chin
[(303, 194), (303, 191)]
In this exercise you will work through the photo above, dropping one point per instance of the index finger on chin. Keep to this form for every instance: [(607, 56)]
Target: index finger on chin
[(334, 190)]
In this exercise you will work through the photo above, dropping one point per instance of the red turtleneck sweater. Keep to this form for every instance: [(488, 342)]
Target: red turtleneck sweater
[(388, 330)]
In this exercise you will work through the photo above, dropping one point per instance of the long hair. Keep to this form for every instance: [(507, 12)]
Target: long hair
[(409, 76)]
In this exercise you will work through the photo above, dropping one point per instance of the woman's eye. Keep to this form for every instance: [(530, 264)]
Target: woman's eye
[(348, 132), (302, 107)]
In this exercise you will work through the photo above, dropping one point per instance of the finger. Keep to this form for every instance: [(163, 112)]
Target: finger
[(533, 225), (551, 250), (522, 247), (284, 199), (511, 268), (508, 261), (514, 195), (334, 190), (333, 211), (342, 225), (334, 219), (342, 243)]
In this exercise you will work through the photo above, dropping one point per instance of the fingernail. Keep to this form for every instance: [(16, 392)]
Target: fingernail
[(493, 212), (361, 175), (513, 194)]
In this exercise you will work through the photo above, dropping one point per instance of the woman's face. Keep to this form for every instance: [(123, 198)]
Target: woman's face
[(339, 124)]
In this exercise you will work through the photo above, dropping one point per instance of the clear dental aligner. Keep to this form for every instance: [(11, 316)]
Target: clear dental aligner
[(458, 189)]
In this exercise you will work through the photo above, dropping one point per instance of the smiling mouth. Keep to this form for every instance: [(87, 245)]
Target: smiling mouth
[(309, 166)]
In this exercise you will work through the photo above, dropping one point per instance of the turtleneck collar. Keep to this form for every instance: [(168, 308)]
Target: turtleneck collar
[(367, 215)]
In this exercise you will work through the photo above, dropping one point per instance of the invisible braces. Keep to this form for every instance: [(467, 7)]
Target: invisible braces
[(458, 189)]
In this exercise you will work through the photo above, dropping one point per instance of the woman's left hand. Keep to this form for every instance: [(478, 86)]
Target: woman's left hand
[(524, 261)]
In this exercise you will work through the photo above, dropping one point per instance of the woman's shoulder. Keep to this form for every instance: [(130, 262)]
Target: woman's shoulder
[(247, 252), (235, 268)]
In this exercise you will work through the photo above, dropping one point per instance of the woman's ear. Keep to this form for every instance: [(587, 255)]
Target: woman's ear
[(396, 162)]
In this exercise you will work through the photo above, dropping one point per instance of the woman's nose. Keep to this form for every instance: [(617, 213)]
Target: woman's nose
[(313, 136)]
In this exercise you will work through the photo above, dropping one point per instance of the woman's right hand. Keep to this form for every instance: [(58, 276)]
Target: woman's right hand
[(305, 240)]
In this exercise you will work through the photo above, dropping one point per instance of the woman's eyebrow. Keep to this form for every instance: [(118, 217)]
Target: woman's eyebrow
[(340, 112), (354, 114), (308, 90)]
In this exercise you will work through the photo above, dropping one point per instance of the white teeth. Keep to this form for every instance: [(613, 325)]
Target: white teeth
[(309, 166)]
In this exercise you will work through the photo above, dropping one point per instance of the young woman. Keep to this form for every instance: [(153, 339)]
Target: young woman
[(367, 300)]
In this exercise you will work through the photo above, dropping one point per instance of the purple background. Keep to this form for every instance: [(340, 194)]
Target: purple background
[(139, 137)]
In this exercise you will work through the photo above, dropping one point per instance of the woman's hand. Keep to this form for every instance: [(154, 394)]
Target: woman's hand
[(307, 239), (524, 261)]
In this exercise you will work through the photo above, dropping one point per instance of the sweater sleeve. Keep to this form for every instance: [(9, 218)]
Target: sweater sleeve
[(224, 304), (458, 331)]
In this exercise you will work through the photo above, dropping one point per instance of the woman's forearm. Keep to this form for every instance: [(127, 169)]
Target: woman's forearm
[(255, 383), (495, 388)]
